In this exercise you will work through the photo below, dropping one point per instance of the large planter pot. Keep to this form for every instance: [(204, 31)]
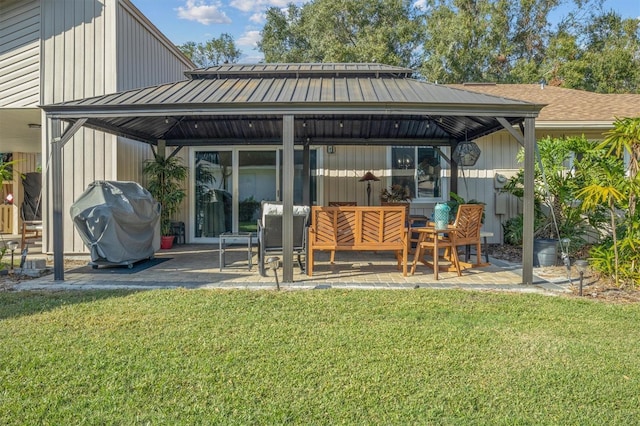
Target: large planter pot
[(545, 252), (166, 242)]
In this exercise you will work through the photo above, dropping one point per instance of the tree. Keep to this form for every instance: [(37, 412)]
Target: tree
[(609, 58), (485, 40), (213, 52), (283, 38), (384, 31)]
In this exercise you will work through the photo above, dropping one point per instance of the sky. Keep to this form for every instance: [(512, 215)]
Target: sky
[(202, 20)]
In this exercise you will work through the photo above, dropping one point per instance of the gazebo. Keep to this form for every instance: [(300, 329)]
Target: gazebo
[(294, 105)]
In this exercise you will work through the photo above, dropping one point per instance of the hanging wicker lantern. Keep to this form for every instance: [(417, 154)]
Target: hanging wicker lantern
[(466, 153)]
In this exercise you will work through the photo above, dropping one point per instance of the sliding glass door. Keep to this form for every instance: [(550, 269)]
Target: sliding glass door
[(230, 184), (257, 181), (213, 193), (298, 179)]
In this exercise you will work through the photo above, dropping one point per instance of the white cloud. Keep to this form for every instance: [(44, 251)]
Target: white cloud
[(261, 5), (252, 59), (249, 38), (420, 4), (201, 11), (258, 18)]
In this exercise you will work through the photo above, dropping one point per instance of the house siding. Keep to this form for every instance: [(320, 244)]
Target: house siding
[(77, 62), (86, 51), (499, 152), (19, 53), (352, 162), (144, 58)]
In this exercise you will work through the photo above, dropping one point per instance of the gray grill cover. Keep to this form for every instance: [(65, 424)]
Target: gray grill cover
[(118, 221)]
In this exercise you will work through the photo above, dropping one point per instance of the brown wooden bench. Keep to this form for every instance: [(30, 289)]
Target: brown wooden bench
[(352, 228)]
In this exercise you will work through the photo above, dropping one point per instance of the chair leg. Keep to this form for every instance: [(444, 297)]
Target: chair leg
[(455, 260), (416, 257), (261, 268), (309, 262), (332, 256)]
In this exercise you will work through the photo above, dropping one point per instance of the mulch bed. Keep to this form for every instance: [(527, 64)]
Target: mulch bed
[(593, 286)]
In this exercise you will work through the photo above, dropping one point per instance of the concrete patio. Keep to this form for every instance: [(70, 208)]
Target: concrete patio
[(196, 266)]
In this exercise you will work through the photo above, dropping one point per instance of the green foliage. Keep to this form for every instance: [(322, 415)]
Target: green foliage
[(165, 180), (515, 42), (513, 230), (396, 194), (6, 169), (611, 187), (213, 52), (605, 58), (247, 208), (454, 203), (3, 251), (619, 261), (316, 357), (383, 31), (556, 187), (467, 41)]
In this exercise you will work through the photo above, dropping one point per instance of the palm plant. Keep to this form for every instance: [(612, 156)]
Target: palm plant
[(611, 186), (165, 178)]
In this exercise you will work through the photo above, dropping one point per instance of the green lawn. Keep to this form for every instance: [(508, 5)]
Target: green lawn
[(316, 357)]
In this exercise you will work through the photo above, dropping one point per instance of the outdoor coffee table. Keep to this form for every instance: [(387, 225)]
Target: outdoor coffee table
[(225, 237)]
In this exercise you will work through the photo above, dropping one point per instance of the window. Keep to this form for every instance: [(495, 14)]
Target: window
[(420, 169)]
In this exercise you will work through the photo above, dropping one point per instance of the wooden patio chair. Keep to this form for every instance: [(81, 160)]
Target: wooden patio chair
[(468, 225), (342, 203), (464, 231)]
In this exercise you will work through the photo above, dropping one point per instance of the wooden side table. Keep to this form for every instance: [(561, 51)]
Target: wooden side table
[(432, 232)]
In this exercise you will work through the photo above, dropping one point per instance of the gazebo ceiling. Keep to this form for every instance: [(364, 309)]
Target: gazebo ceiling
[(332, 104)]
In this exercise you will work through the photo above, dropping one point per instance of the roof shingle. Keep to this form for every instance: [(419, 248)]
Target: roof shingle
[(564, 104)]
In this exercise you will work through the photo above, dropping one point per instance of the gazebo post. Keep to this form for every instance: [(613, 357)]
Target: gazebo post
[(57, 195), (454, 173), (306, 174), (287, 197), (528, 204), (58, 140)]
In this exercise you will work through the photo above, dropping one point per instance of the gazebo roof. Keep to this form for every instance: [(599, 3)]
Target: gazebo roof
[(332, 103)]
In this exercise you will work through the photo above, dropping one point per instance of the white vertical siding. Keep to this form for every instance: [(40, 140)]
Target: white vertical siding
[(19, 53), (76, 63), (499, 152), (343, 169), (145, 57), (91, 48), (130, 157)]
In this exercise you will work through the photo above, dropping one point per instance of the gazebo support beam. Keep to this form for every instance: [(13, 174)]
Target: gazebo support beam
[(287, 197), (306, 175), (58, 140), (528, 204)]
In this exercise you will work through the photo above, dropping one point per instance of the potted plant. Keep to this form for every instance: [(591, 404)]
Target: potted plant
[(396, 194), (165, 177)]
